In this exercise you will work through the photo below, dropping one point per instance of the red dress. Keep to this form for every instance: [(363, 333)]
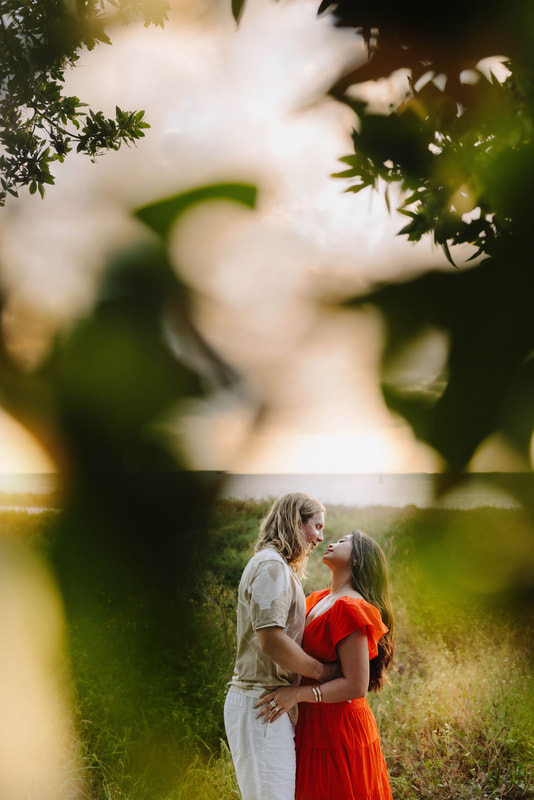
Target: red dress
[(338, 749)]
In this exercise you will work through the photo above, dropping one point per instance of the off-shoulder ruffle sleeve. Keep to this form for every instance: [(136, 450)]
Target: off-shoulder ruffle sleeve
[(349, 614)]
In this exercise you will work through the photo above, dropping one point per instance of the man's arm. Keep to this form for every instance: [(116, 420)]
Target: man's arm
[(281, 648)]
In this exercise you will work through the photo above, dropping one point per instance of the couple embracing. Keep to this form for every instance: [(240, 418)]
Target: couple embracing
[(337, 640)]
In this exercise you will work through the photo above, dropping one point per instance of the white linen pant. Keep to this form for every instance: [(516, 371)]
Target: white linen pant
[(263, 753)]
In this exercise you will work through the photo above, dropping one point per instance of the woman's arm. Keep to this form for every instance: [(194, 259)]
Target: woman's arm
[(353, 652), (276, 644)]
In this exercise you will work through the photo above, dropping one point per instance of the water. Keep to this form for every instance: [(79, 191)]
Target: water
[(489, 489), (383, 490)]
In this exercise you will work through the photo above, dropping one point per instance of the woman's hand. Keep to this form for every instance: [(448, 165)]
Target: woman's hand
[(277, 702)]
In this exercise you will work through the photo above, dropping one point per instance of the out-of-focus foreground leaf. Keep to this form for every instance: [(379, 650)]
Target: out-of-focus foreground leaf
[(163, 214), (447, 39), (237, 9), (131, 540), (486, 312)]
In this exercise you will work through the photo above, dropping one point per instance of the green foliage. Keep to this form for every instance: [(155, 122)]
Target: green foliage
[(458, 171), (459, 148), (456, 721), (101, 134), (234, 529), (148, 726), (39, 125)]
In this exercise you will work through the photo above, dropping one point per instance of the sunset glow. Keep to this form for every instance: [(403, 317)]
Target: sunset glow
[(373, 451)]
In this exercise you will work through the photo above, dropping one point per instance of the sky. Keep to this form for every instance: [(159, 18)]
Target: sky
[(235, 104)]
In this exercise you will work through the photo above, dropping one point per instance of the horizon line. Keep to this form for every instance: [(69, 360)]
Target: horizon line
[(337, 474)]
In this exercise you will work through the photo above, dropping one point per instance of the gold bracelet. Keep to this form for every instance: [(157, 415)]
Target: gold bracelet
[(317, 693)]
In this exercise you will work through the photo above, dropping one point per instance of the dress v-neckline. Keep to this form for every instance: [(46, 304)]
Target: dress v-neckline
[(318, 616)]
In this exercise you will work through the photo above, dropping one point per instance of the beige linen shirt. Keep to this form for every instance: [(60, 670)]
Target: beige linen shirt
[(270, 594)]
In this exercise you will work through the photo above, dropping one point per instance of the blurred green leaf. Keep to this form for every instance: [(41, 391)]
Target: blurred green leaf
[(487, 313), (132, 537), (161, 216), (237, 9)]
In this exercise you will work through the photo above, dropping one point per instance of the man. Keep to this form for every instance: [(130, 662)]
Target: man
[(270, 623)]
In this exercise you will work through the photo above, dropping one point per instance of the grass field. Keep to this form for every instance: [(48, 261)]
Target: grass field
[(457, 720)]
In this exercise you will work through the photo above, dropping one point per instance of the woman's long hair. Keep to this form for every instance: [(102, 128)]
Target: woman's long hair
[(370, 579), (281, 528)]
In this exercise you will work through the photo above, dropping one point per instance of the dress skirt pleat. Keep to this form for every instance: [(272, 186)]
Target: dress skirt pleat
[(338, 753)]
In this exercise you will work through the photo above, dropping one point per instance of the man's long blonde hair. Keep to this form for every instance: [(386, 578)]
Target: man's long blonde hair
[(282, 529)]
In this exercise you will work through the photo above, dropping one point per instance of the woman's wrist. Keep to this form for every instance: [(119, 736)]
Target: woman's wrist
[(317, 694), (309, 694), (304, 694)]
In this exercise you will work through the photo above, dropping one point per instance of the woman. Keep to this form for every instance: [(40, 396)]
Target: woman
[(338, 748), (270, 622)]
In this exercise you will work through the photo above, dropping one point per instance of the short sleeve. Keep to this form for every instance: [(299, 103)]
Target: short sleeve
[(350, 614), (271, 595)]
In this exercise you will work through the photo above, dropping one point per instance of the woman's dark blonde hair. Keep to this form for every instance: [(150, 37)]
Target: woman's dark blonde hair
[(370, 578), (281, 528)]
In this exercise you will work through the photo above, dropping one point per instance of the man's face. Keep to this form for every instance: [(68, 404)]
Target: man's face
[(313, 530)]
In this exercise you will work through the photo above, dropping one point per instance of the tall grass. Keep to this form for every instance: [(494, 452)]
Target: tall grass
[(456, 723), (457, 720)]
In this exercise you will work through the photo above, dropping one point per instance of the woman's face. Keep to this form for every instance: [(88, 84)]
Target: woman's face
[(339, 552)]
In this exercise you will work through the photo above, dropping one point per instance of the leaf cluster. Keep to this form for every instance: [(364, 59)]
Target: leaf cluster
[(457, 166), (459, 147), (39, 124)]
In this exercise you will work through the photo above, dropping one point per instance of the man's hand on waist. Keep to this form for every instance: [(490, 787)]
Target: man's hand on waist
[(331, 671)]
